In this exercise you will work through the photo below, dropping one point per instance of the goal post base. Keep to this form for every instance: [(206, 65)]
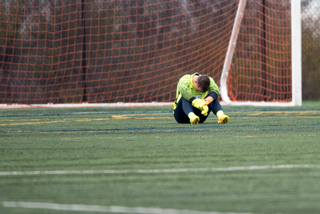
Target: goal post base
[(261, 104), (85, 105)]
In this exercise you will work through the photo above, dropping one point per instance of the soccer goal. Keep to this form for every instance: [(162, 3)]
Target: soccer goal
[(267, 78), (133, 52)]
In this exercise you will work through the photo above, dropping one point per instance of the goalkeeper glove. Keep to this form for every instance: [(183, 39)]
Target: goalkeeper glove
[(205, 110), (198, 103), (201, 104)]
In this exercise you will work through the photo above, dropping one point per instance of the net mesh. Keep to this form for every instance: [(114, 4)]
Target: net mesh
[(262, 66), (74, 51)]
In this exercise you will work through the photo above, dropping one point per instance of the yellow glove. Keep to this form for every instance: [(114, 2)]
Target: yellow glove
[(205, 110), (201, 104), (198, 103), (207, 101)]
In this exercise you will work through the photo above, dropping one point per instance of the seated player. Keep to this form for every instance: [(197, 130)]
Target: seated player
[(197, 95)]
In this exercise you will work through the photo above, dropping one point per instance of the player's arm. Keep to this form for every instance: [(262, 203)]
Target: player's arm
[(213, 92), (183, 88)]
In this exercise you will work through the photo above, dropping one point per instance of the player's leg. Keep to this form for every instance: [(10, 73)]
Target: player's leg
[(182, 110), (216, 108), (186, 113)]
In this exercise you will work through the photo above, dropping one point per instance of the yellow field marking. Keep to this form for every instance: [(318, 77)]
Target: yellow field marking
[(113, 117), (7, 120), (152, 118), (23, 120), (257, 114), (88, 119), (271, 117), (121, 117), (309, 135), (30, 123), (19, 131)]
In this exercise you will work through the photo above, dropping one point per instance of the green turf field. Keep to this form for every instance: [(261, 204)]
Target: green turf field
[(114, 160)]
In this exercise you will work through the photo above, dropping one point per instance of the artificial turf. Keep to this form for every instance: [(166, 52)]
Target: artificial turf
[(126, 140)]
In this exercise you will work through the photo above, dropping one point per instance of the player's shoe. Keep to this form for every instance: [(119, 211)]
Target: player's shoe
[(194, 119), (223, 119)]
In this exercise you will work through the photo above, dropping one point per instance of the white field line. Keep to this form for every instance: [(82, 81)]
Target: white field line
[(106, 209), (154, 171)]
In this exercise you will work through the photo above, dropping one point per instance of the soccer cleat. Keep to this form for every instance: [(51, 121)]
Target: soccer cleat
[(194, 119), (223, 119)]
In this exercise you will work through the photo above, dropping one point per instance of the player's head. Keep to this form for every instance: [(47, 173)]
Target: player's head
[(203, 82)]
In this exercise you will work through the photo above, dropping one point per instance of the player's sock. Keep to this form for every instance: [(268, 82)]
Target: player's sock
[(194, 119), (222, 118)]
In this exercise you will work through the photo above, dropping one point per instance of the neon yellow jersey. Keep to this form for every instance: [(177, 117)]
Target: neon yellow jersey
[(185, 88)]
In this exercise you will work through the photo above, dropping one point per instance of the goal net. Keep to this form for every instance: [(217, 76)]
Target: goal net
[(69, 52)]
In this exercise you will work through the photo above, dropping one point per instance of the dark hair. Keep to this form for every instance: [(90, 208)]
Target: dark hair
[(204, 83)]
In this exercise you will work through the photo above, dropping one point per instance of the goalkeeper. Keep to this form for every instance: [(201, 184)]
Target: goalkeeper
[(197, 95)]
